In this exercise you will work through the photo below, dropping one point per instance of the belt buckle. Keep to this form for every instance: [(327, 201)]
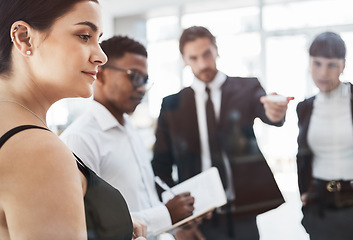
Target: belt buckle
[(333, 186)]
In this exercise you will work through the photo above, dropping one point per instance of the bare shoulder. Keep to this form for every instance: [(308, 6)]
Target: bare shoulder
[(37, 150), (39, 177), (33, 157)]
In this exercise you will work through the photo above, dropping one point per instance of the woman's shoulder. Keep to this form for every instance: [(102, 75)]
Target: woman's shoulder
[(33, 140), (306, 103), (39, 177), (35, 151)]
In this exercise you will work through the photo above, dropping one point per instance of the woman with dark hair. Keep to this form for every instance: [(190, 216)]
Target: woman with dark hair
[(50, 50), (325, 144)]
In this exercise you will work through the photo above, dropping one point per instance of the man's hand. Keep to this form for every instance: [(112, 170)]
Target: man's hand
[(139, 231), (304, 198), (189, 233), (275, 106), (180, 207), (197, 221)]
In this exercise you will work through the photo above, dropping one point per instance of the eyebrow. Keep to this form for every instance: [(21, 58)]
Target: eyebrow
[(91, 25), (208, 51)]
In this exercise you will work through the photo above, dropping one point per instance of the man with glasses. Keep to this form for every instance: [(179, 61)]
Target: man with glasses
[(110, 145)]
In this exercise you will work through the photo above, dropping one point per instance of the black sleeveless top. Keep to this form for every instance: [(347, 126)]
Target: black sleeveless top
[(107, 215)]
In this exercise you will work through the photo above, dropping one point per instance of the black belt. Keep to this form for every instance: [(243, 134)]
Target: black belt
[(334, 193), (335, 185)]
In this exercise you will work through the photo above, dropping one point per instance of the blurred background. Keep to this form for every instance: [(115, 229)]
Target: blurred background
[(268, 39)]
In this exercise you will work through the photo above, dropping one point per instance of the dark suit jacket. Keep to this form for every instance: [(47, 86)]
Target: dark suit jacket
[(304, 155), (177, 142)]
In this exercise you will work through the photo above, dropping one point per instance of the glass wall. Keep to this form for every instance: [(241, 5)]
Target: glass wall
[(268, 40), (307, 14)]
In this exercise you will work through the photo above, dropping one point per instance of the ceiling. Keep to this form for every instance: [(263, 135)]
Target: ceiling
[(122, 8)]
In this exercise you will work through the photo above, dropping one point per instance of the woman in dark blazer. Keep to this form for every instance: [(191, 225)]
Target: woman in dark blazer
[(325, 144)]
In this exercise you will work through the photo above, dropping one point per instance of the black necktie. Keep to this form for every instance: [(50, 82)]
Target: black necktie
[(214, 140)]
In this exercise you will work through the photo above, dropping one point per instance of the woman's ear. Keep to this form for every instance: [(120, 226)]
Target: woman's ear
[(20, 34)]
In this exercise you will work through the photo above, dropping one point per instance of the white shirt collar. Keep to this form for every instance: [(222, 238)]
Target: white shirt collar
[(216, 83), (105, 119), (342, 90)]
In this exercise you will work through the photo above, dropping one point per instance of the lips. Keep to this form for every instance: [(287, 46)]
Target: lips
[(137, 99), (92, 74), (325, 83)]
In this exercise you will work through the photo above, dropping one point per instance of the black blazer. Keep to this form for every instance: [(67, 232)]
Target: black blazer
[(177, 142), (305, 155)]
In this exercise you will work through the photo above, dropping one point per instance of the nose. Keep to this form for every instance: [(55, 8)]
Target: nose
[(98, 57), (202, 64), (324, 71), (142, 89)]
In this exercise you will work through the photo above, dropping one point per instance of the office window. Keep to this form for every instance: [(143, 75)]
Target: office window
[(230, 21), (163, 60), (162, 28), (240, 54), (347, 75), (164, 72), (287, 65), (287, 62), (307, 14)]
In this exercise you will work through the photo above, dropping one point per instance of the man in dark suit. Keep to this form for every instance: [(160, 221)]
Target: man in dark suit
[(185, 139)]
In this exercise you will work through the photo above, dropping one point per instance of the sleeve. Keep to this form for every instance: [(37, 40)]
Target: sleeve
[(162, 161), (257, 92), (155, 218), (304, 155), (84, 148)]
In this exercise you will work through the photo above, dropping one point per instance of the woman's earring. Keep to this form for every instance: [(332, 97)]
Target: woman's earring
[(28, 52), (15, 30)]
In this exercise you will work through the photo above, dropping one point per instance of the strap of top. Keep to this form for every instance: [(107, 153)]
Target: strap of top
[(15, 130), (83, 168), (21, 128)]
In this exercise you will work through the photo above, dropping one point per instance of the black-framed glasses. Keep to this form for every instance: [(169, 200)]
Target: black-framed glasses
[(137, 78)]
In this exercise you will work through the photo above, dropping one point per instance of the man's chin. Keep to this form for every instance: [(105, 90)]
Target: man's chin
[(206, 77), (131, 110)]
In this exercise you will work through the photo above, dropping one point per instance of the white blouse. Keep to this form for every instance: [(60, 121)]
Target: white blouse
[(330, 135)]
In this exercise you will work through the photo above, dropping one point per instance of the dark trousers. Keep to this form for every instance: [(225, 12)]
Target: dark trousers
[(333, 224), (218, 228)]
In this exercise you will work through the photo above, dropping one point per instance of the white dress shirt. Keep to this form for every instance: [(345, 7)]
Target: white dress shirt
[(117, 154), (200, 99), (330, 135)]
